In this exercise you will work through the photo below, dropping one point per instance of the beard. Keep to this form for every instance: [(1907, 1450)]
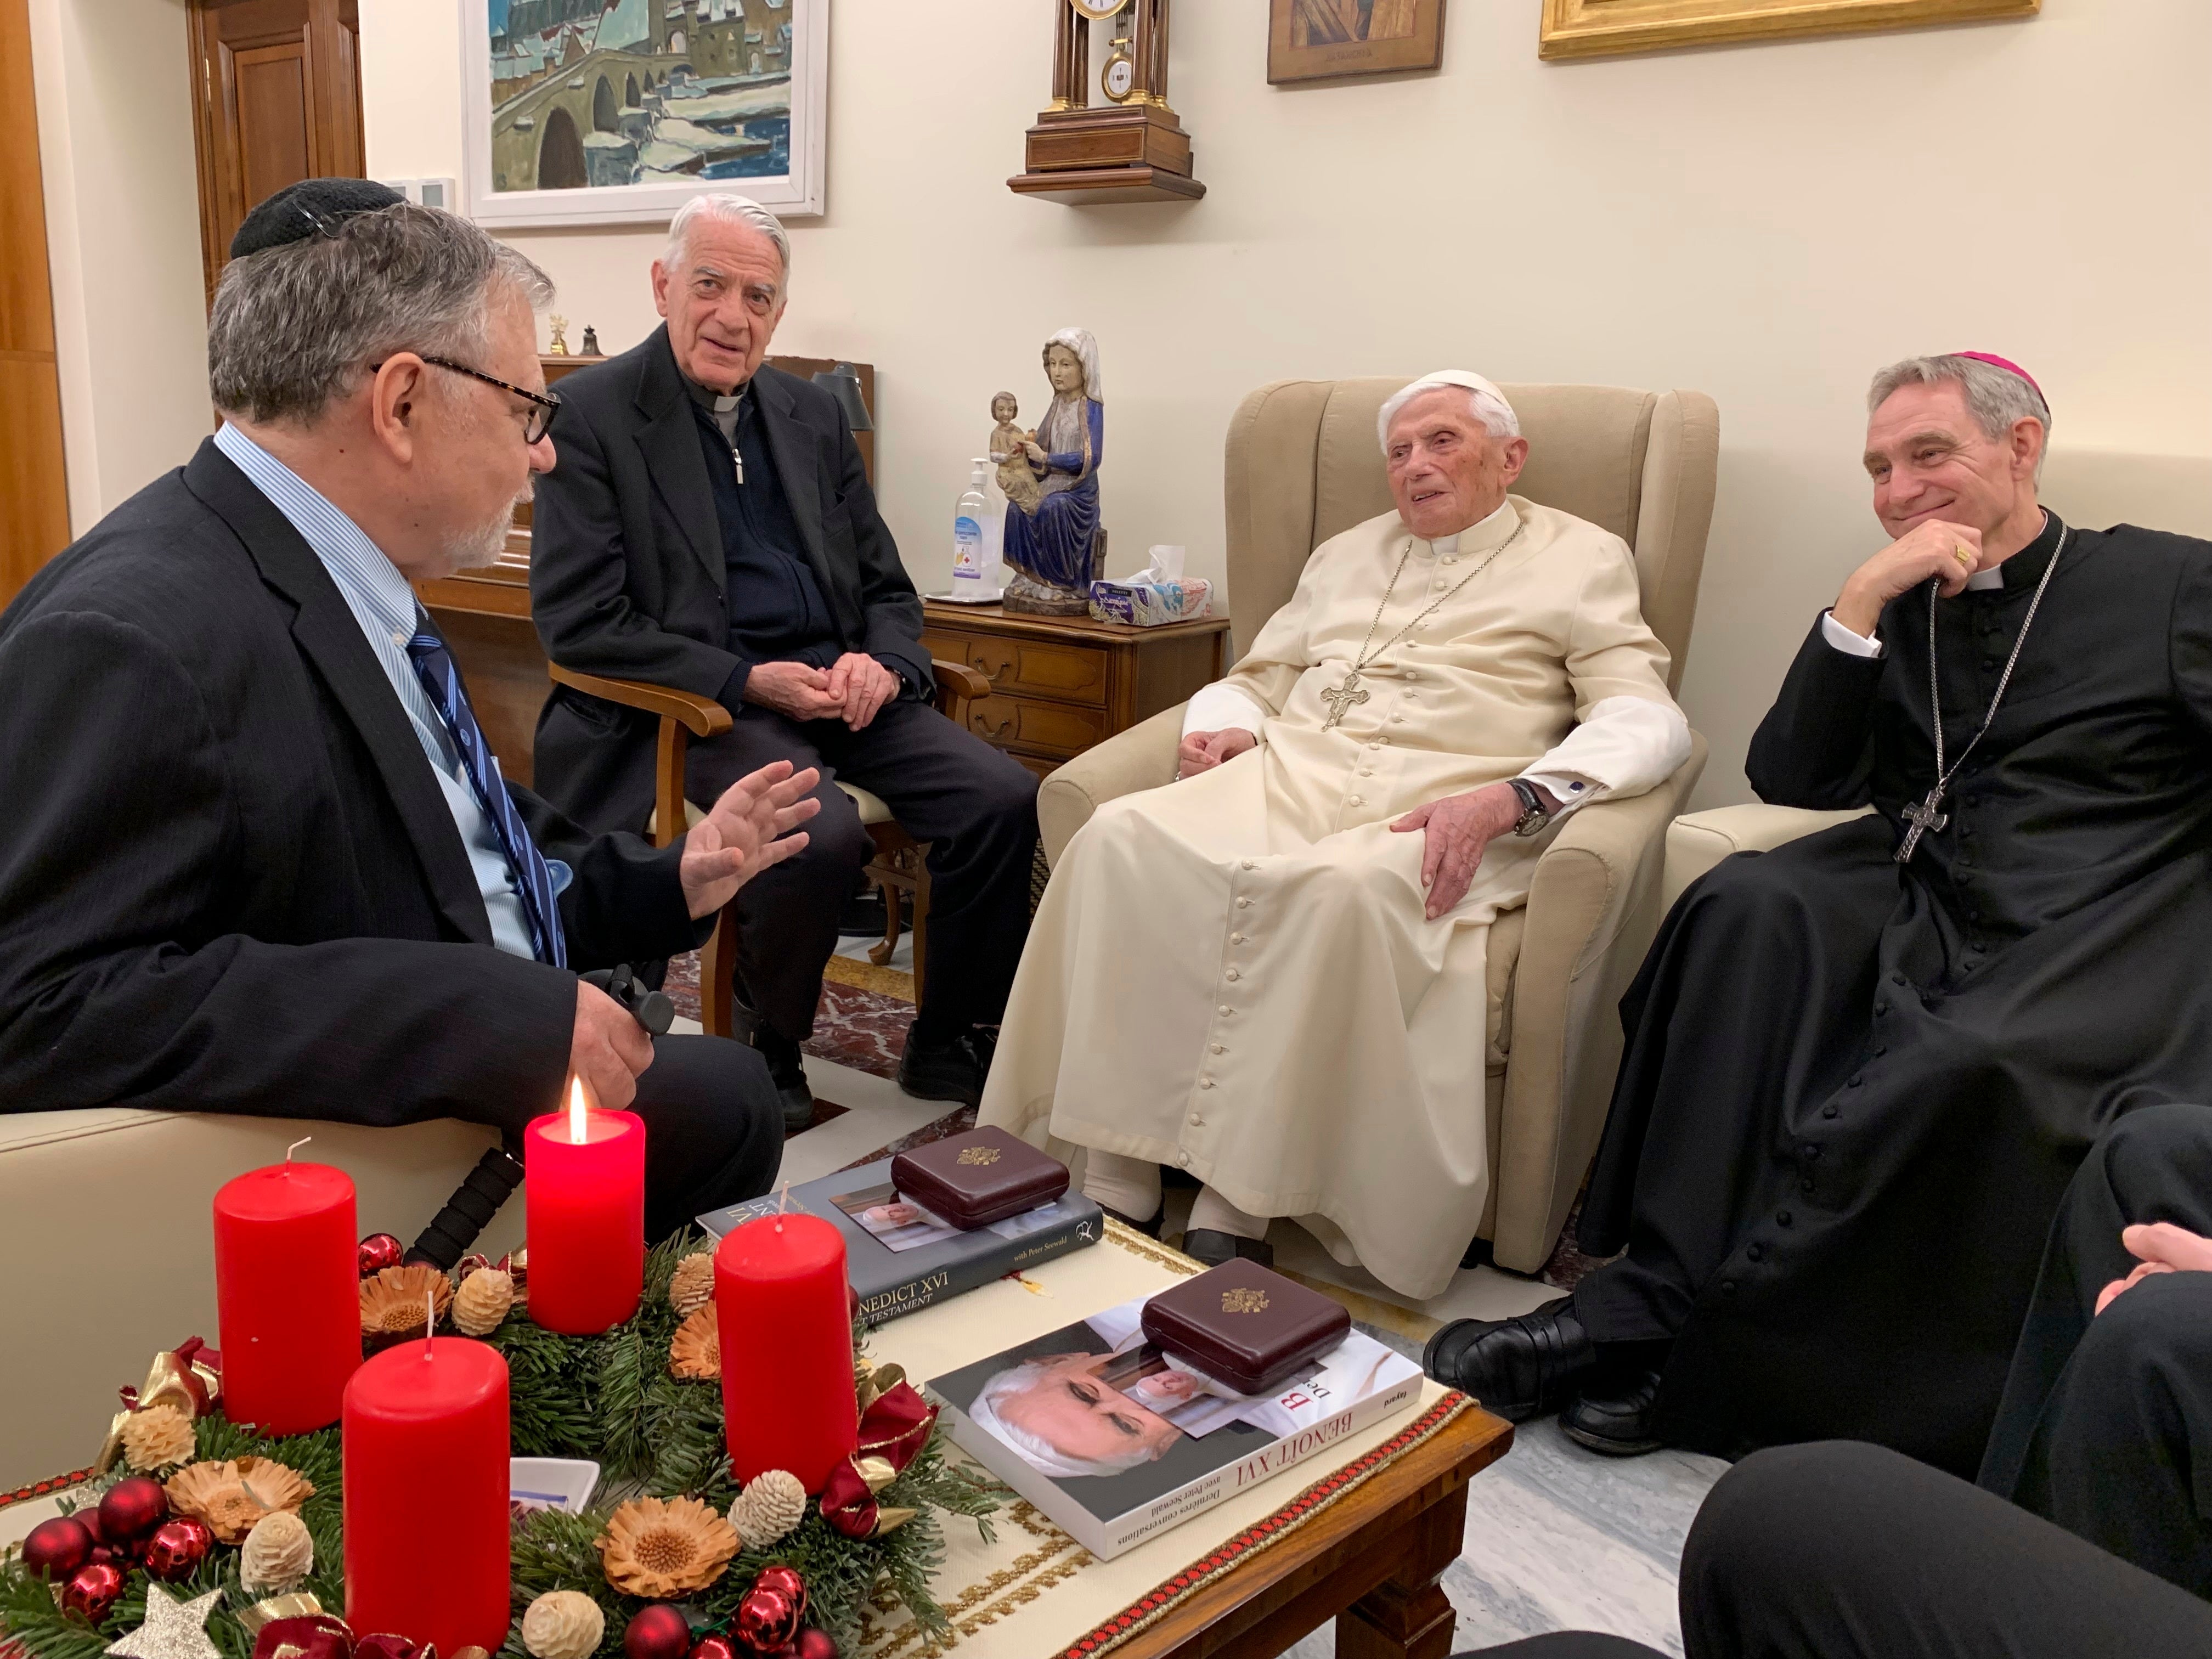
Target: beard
[(480, 547)]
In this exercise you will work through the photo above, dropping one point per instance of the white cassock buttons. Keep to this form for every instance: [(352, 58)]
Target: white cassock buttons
[(1196, 1121), (1237, 939), (1217, 1048), (1244, 904), (1205, 1083), (1359, 801), (1250, 864), (1184, 1158), (1233, 973), (1224, 1010)]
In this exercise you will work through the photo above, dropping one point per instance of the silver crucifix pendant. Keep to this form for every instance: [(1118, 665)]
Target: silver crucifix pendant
[(1341, 700), (1922, 817)]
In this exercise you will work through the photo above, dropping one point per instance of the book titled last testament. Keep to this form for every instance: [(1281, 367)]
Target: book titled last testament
[(901, 1258), (1116, 1440)]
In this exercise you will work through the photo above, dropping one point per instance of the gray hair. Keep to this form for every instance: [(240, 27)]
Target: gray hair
[(1035, 1449), (1996, 397), (1489, 404), (292, 324), (730, 209)]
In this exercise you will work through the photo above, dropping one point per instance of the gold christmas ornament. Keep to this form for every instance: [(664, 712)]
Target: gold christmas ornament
[(695, 1350), (156, 1437), (301, 1605), (278, 1555), (172, 1630), (481, 1305), (660, 1549), (392, 1299), (231, 1497), (692, 1285), (772, 1504), (563, 1625)]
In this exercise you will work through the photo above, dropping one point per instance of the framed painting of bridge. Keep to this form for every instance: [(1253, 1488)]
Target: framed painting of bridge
[(618, 112)]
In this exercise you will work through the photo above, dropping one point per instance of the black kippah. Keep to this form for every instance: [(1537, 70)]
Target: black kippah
[(299, 211)]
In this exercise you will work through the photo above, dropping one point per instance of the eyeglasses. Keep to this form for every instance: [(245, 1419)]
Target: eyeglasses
[(544, 403)]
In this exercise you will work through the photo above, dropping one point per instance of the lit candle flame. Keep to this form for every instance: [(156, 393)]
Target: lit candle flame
[(576, 1111)]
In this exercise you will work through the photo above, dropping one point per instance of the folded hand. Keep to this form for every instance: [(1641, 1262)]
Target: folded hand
[(2161, 1247), (796, 690), (861, 685), (747, 831), (1201, 752)]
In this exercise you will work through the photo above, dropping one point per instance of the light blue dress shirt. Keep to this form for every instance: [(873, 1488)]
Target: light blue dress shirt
[(384, 605)]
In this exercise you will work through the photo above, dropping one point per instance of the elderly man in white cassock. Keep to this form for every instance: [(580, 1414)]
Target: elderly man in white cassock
[(1270, 973)]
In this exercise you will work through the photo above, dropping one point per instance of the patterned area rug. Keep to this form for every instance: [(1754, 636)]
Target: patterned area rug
[(861, 1022)]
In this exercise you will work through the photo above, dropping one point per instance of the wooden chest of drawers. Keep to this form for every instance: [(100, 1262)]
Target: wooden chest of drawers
[(1060, 684)]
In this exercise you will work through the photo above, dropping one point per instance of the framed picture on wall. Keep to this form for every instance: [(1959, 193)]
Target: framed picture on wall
[(618, 112), (1322, 40), (1592, 28)]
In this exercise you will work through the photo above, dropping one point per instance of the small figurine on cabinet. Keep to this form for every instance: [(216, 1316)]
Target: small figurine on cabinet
[(1056, 547), (590, 341), (1008, 448), (560, 346)]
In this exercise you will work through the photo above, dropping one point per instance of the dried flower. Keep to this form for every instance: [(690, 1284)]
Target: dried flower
[(563, 1625), (231, 1497), (481, 1305), (156, 1437), (392, 1299), (659, 1548), (772, 1504), (278, 1555), (691, 1287), (695, 1350)]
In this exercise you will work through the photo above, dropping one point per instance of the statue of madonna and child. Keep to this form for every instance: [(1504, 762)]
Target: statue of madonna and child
[(1053, 541)]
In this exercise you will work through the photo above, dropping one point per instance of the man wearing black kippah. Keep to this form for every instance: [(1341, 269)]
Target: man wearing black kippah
[(259, 859)]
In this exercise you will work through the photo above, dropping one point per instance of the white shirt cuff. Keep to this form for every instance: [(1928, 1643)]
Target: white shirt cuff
[(1567, 788), (1218, 706), (1856, 645)]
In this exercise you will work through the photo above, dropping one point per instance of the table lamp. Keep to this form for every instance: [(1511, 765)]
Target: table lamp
[(844, 385)]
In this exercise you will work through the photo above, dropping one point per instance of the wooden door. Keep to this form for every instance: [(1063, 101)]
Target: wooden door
[(33, 493), (277, 99)]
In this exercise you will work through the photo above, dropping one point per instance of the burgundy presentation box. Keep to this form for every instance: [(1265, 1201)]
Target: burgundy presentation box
[(974, 1179), (1245, 1325)]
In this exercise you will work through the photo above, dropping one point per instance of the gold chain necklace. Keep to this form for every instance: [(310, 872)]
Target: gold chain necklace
[(1343, 697)]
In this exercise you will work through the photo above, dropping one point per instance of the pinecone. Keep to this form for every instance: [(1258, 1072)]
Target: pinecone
[(771, 1505), (692, 1287), (563, 1625), (157, 1437), (278, 1555), (480, 1306)]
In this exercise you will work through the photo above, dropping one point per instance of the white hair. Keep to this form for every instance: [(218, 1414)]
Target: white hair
[(727, 207), (1489, 406), (1035, 1451), (1079, 341)]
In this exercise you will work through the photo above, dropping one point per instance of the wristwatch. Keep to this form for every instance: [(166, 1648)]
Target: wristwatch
[(1533, 814)]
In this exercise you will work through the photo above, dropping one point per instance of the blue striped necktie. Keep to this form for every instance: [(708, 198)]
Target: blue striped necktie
[(526, 866)]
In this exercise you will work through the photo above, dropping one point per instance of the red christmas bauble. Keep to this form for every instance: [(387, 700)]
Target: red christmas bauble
[(766, 1620), (55, 1549), (785, 1582), (659, 1632), (92, 1590), (815, 1643), (715, 1647), (132, 1508), (177, 1548), (380, 1251)]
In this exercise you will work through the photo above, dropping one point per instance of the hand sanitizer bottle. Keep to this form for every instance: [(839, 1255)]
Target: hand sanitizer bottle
[(968, 538)]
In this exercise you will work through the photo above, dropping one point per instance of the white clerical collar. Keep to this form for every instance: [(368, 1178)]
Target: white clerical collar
[(1993, 577), (1445, 546)]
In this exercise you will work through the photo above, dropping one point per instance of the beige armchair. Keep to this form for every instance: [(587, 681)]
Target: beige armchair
[(1303, 465)]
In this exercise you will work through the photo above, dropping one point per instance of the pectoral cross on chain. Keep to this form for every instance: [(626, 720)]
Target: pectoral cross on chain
[(1342, 699), (1922, 817)]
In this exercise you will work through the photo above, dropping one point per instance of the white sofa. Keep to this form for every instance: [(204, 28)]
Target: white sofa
[(106, 1246)]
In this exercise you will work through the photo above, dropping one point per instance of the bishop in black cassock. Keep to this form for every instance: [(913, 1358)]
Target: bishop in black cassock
[(1854, 1089)]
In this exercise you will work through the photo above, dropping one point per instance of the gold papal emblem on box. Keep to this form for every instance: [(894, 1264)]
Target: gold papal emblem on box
[(978, 1155), (1244, 1300)]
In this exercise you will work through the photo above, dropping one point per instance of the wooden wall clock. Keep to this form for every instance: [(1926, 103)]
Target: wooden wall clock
[(1134, 149)]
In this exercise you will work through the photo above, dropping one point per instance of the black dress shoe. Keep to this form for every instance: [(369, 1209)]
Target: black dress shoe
[(1518, 1368), (1213, 1247), (1150, 1229), (952, 1070), (787, 1069), (1614, 1415)]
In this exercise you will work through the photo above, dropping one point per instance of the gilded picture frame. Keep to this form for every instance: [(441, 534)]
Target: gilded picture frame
[(1594, 29), (1326, 40)]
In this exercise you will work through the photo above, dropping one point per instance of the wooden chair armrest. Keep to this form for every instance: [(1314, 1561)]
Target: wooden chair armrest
[(701, 716), (957, 686)]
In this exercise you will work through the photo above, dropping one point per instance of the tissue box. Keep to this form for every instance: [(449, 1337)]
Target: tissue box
[(1149, 604), (1245, 1325), (974, 1179)]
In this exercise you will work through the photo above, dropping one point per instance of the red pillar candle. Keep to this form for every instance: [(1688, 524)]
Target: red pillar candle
[(786, 1331), (584, 1209), (426, 1495), (287, 1295)]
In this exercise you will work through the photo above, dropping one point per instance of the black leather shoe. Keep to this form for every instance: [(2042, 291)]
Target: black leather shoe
[(1518, 1368), (946, 1071), (787, 1069), (1150, 1229), (1615, 1415), (1213, 1247)]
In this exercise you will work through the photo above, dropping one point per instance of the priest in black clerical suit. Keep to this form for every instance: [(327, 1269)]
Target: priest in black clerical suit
[(1855, 1087)]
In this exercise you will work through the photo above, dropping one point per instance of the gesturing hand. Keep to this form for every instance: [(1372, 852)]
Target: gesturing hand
[(740, 837), (1455, 831), (1931, 548), (2161, 1247), (862, 685), (1201, 752), (796, 690), (610, 1050)]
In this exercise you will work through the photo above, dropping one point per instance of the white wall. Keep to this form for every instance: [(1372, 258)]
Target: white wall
[(115, 151), (1767, 223)]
